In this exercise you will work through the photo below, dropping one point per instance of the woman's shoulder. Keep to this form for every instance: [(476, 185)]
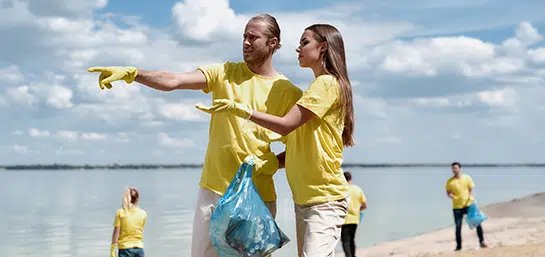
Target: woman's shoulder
[(326, 78)]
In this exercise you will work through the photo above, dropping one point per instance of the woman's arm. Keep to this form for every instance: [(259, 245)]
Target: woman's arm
[(296, 117), (281, 160), (115, 235)]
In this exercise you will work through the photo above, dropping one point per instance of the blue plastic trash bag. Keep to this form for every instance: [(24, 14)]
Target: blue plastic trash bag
[(361, 216), (241, 224), (474, 216)]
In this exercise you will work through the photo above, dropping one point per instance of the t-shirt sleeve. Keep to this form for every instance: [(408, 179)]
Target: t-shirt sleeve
[(145, 218), (447, 186), (117, 221), (363, 198), (321, 94), (213, 73), (470, 183)]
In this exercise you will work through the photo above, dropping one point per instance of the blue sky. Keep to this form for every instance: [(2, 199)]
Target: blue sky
[(434, 81)]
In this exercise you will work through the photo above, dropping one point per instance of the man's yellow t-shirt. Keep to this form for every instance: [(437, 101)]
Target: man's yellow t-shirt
[(314, 151), (231, 138), (131, 224), (357, 198), (460, 188)]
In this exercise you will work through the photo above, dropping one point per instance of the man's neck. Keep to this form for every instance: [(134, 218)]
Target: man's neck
[(458, 175), (264, 69)]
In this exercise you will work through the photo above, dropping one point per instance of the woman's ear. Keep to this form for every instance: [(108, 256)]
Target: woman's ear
[(323, 47)]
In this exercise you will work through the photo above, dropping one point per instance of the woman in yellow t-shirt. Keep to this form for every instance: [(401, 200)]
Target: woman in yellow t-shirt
[(315, 132), (129, 227)]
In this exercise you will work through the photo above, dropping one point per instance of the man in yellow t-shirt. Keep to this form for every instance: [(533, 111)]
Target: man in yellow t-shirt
[(231, 139), (358, 203), (460, 189)]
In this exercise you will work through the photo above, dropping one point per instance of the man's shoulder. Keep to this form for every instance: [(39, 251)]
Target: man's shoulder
[(287, 85), (355, 187)]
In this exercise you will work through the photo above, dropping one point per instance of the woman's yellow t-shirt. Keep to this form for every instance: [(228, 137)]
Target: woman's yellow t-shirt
[(314, 150), (131, 227)]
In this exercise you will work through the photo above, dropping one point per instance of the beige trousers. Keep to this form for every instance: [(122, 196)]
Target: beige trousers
[(201, 243), (318, 227)]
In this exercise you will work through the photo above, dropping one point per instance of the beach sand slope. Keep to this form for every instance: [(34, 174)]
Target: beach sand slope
[(514, 228)]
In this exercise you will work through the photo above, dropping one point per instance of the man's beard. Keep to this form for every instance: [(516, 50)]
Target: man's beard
[(256, 59)]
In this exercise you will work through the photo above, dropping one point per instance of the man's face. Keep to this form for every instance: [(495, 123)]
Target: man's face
[(255, 46), (456, 169)]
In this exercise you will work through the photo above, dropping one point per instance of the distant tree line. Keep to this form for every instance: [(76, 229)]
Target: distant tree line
[(191, 166)]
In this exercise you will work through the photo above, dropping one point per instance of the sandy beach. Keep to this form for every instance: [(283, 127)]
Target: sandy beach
[(514, 228)]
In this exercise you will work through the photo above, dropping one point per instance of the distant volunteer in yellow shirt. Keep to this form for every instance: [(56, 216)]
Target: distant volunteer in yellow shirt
[(358, 203), (315, 132), (460, 188), (253, 82), (129, 225)]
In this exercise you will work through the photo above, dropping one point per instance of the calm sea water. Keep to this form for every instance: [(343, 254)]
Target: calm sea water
[(70, 213)]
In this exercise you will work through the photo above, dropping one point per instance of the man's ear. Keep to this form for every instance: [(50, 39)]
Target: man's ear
[(273, 42)]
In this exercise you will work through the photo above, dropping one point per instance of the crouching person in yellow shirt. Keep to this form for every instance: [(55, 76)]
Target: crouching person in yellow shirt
[(315, 131), (129, 227), (358, 203)]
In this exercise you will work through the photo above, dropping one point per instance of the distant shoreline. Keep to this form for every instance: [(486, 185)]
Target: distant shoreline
[(192, 166)]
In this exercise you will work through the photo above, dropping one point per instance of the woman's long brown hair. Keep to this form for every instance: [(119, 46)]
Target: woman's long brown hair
[(335, 64)]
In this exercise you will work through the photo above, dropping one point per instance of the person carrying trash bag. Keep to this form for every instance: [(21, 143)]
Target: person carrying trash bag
[(315, 132), (460, 188), (241, 224), (255, 82)]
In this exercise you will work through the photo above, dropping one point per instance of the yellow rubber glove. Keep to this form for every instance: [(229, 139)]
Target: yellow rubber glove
[(113, 73), (265, 164), (225, 105), (112, 250), (268, 136)]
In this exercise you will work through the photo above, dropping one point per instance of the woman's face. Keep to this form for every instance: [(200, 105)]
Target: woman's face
[(310, 50)]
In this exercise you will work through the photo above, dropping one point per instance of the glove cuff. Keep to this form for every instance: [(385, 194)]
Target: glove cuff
[(133, 72)]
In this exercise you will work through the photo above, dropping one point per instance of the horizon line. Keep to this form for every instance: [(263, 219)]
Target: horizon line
[(188, 165)]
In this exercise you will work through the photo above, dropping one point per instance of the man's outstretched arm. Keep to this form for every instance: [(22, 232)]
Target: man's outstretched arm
[(160, 80), (168, 81)]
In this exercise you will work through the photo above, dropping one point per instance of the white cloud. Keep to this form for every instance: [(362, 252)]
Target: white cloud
[(537, 55), (19, 149), (180, 111), (66, 134), (503, 97), (62, 151), (429, 57), (210, 20), (33, 132), (11, 74), (93, 136), (166, 140), (56, 96), (21, 95), (60, 97)]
